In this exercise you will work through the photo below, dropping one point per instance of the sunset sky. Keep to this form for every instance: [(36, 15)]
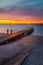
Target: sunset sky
[(21, 11)]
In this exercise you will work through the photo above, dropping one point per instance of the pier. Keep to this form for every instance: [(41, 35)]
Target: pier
[(15, 36)]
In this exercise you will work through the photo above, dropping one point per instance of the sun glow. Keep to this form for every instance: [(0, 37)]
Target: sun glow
[(21, 21)]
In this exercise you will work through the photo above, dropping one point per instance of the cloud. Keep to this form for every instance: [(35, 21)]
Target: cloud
[(4, 3), (30, 3), (22, 7)]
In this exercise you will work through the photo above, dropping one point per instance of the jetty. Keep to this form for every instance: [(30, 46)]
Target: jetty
[(15, 36)]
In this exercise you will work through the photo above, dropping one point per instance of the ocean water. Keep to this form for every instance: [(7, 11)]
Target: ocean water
[(35, 56), (9, 50), (38, 28)]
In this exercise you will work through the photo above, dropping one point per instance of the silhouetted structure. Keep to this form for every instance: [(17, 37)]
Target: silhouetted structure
[(15, 36), (11, 31), (7, 31)]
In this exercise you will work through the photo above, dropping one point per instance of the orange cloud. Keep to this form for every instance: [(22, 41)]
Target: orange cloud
[(12, 19)]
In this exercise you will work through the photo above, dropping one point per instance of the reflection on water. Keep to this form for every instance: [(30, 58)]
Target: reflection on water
[(38, 28)]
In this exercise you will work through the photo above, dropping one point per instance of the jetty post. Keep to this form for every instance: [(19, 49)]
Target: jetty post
[(7, 31)]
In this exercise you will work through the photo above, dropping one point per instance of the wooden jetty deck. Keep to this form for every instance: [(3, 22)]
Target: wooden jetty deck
[(15, 36)]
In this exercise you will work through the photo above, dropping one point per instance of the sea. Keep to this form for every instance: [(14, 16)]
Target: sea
[(8, 51), (38, 28)]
